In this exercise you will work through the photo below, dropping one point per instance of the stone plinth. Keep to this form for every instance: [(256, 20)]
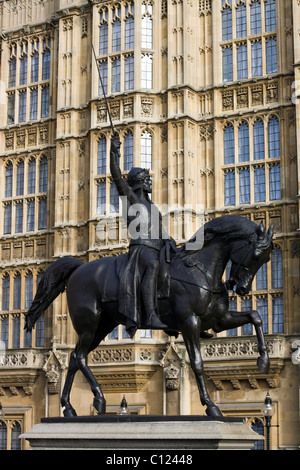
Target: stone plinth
[(135, 432)]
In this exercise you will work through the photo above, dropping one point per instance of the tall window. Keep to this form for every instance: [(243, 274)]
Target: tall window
[(101, 161), (274, 138), (101, 198), (227, 64), (278, 314), (8, 179), (246, 304), (104, 73), (276, 267), (146, 150), (270, 15), (22, 105), (43, 175), (147, 34), (128, 151), (262, 308), (46, 64), (20, 179), (226, 23), (11, 108), (30, 215), (275, 182), (256, 56), (33, 103), (244, 186), (242, 61), (114, 198), (243, 143), (129, 73), (45, 102), (5, 292), (271, 55), (116, 36), (31, 177), (147, 77), (23, 70), (258, 140), (35, 67), (259, 183), (28, 290), (42, 221), (241, 21), (7, 218), (116, 75), (255, 17), (12, 72), (129, 33), (228, 145), (229, 188), (19, 217), (103, 40), (17, 292)]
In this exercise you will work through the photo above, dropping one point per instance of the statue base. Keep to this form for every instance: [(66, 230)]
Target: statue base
[(141, 432)]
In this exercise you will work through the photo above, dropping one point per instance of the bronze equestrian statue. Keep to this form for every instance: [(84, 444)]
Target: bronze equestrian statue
[(197, 299)]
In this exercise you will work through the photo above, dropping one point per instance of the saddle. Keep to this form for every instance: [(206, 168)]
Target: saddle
[(116, 270)]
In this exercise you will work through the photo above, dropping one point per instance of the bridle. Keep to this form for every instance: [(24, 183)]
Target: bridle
[(248, 246)]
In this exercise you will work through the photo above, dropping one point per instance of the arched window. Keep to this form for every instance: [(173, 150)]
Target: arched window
[(116, 36), (226, 23), (101, 157), (129, 33), (255, 14), (15, 433), (5, 292), (103, 39), (35, 67), (243, 143), (146, 150), (228, 145), (128, 151), (270, 15), (274, 138), (241, 21), (258, 140), (8, 180)]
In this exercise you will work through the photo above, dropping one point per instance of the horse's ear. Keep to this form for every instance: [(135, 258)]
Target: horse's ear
[(261, 231), (271, 231)]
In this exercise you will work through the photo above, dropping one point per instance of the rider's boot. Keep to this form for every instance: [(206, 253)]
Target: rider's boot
[(149, 295)]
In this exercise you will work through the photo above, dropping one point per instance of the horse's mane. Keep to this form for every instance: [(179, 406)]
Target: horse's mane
[(229, 227)]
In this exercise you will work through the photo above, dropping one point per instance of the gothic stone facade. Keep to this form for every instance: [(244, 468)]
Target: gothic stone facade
[(203, 92)]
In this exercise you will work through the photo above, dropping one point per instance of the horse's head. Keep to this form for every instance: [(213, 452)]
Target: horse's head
[(247, 257)]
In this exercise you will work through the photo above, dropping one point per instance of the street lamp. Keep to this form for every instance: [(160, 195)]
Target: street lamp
[(268, 411), (123, 407)]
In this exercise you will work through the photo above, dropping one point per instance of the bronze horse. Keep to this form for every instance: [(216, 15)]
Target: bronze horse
[(197, 301)]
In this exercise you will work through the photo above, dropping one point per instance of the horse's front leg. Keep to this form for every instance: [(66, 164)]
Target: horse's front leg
[(234, 319), (191, 334)]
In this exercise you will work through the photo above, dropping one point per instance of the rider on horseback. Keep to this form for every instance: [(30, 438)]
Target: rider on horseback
[(142, 270)]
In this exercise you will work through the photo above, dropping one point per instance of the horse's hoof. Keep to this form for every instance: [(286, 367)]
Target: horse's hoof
[(100, 405), (263, 364), (69, 412), (213, 411)]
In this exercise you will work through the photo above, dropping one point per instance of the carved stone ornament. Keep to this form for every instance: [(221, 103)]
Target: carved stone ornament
[(172, 377)]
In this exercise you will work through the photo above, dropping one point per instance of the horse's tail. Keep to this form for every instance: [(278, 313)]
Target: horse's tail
[(53, 282)]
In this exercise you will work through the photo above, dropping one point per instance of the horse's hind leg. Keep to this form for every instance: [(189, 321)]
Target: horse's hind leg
[(191, 334), (82, 349), (235, 319), (65, 398)]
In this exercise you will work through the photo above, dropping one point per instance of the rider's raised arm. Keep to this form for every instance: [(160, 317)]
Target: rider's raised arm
[(120, 182)]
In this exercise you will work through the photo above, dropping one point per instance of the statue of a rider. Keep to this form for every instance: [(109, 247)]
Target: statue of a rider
[(138, 287)]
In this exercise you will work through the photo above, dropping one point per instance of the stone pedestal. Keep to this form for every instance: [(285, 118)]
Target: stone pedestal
[(135, 432)]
